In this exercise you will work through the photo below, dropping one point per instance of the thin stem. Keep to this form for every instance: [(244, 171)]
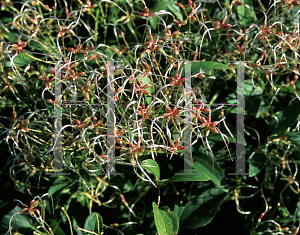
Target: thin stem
[(96, 23), (158, 188), (71, 229)]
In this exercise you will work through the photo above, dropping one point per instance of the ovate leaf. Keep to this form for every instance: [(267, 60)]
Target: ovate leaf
[(19, 220), (146, 80), (56, 189), (246, 14), (175, 10), (85, 175), (257, 163), (201, 209), (166, 222), (20, 60), (195, 176), (94, 223), (203, 163), (151, 166), (164, 5)]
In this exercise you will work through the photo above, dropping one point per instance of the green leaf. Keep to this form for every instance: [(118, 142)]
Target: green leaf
[(293, 137), (218, 137), (252, 106), (175, 10), (207, 65), (246, 15), (257, 163), (249, 90), (297, 212), (146, 80), (55, 225), (197, 176), (6, 103), (20, 60), (38, 47), (203, 163), (284, 119), (75, 224), (262, 107), (201, 209), (175, 221), (5, 20), (151, 166), (94, 224), (58, 186), (20, 220), (197, 67), (3, 204), (85, 175), (201, 67), (166, 222), (163, 5), (94, 167), (11, 36)]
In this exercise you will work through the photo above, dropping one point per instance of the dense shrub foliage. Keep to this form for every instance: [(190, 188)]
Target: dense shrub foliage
[(150, 44)]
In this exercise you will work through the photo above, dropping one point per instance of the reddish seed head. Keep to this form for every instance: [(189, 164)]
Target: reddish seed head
[(295, 3), (170, 60), (193, 19), (121, 32), (216, 23), (179, 5), (184, 22), (192, 4), (77, 121), (192, 12), (95, 119), (237, 3), (177, 22)]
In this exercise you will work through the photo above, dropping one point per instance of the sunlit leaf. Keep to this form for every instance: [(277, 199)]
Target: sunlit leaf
[(166, 222), (195, 176), (151, 166)]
